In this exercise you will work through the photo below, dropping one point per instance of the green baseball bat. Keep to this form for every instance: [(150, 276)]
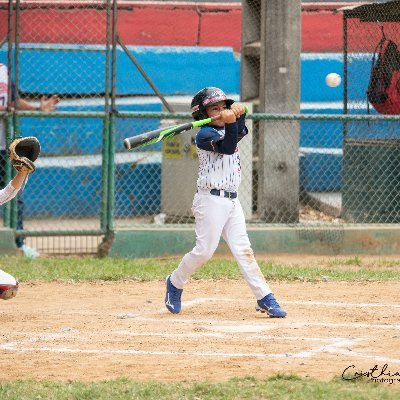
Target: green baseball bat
[(158, 135)]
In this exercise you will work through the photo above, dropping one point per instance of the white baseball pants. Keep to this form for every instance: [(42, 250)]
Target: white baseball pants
[(216, 216)]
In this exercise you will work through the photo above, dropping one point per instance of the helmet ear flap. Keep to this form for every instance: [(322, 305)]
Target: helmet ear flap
[(197, 108)]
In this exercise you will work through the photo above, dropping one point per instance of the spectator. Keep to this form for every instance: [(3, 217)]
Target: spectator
[(47, 104)]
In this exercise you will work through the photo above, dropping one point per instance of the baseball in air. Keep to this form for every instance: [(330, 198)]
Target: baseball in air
[(333, 79)]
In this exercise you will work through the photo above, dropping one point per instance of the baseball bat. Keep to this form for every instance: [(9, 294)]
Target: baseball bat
[(159, 135)]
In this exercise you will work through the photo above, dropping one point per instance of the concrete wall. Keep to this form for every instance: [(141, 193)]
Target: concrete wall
[(176, 24)]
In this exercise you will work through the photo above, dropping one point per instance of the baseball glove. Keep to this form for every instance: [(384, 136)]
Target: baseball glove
[(23, 152)]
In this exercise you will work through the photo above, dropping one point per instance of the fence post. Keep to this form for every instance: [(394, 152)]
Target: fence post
[(278, 191)]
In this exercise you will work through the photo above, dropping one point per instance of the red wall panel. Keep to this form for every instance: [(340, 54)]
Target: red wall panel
[(161, 27), (176, 24), (321, 32), (221, 29)]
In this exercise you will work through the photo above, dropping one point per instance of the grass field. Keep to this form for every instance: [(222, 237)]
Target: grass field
[(280, 385), (114, 269)]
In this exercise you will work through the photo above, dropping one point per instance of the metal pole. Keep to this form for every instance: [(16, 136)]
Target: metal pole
[(9, 120), (345, 72), (106, 124), (145, 76), (14, 202), (111, 167)]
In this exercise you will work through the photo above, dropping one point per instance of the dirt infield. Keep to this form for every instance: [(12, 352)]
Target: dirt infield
[(96, 331)]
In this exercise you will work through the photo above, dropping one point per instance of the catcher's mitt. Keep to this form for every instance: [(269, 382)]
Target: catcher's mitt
[(23, 152)]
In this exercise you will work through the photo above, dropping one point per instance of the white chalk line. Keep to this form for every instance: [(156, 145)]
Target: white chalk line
[(337, 304), (337, 346), (201, 300), (202, 335), (269, 324), (190, 303), (340, 346), (19, 346), (43, 337)]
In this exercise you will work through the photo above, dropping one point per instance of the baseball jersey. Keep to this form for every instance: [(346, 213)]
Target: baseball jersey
[(8, 193), (219, 157)]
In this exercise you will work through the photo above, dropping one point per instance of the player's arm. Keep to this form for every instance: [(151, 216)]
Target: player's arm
[(242, 128), (47, 104), (11, 190), (235, 129), (209, 139), (240, 113)]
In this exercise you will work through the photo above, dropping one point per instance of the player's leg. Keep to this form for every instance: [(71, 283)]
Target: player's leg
[(211, 214), (235, 234), (21, 240), (8, 286), (3, 158)]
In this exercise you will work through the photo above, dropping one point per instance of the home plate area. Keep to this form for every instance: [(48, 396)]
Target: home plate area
[(104, 330)]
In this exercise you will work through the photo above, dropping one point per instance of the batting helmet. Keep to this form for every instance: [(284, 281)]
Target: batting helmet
[(207, 97)]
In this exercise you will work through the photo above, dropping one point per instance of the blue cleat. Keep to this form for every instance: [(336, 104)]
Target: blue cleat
[(172, 297), (270, 306)]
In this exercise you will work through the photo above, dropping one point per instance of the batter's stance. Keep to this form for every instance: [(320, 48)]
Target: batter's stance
[(216, 205)]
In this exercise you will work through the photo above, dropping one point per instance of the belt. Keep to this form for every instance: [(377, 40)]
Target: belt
[(229, 195)]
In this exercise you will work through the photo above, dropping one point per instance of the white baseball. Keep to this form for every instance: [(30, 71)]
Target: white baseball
[(333, 79)]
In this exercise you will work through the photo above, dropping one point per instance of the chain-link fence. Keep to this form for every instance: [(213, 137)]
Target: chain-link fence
[(328, 161), (59, 49)]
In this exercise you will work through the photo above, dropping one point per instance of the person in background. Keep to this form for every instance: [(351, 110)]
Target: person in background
[(47, 104)]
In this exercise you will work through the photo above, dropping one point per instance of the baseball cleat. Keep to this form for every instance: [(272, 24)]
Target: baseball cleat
[(172, 297), (269, 305)]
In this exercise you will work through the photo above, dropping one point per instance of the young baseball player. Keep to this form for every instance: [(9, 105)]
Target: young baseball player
[(216, 205), (8, 284)]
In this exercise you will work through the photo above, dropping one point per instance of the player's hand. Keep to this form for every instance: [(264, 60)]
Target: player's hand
[(228, 116), (48, 104), (4, 108), (238, 109)]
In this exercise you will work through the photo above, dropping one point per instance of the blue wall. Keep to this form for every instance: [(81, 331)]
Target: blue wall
[(81, 69), (63, 190), (175, 70)]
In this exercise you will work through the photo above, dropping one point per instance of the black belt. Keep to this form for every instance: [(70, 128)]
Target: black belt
[(229, 195)]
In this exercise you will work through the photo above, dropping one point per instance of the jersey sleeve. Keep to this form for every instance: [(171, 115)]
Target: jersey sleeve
[(8, 193), (242, 128), (207, 138)]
